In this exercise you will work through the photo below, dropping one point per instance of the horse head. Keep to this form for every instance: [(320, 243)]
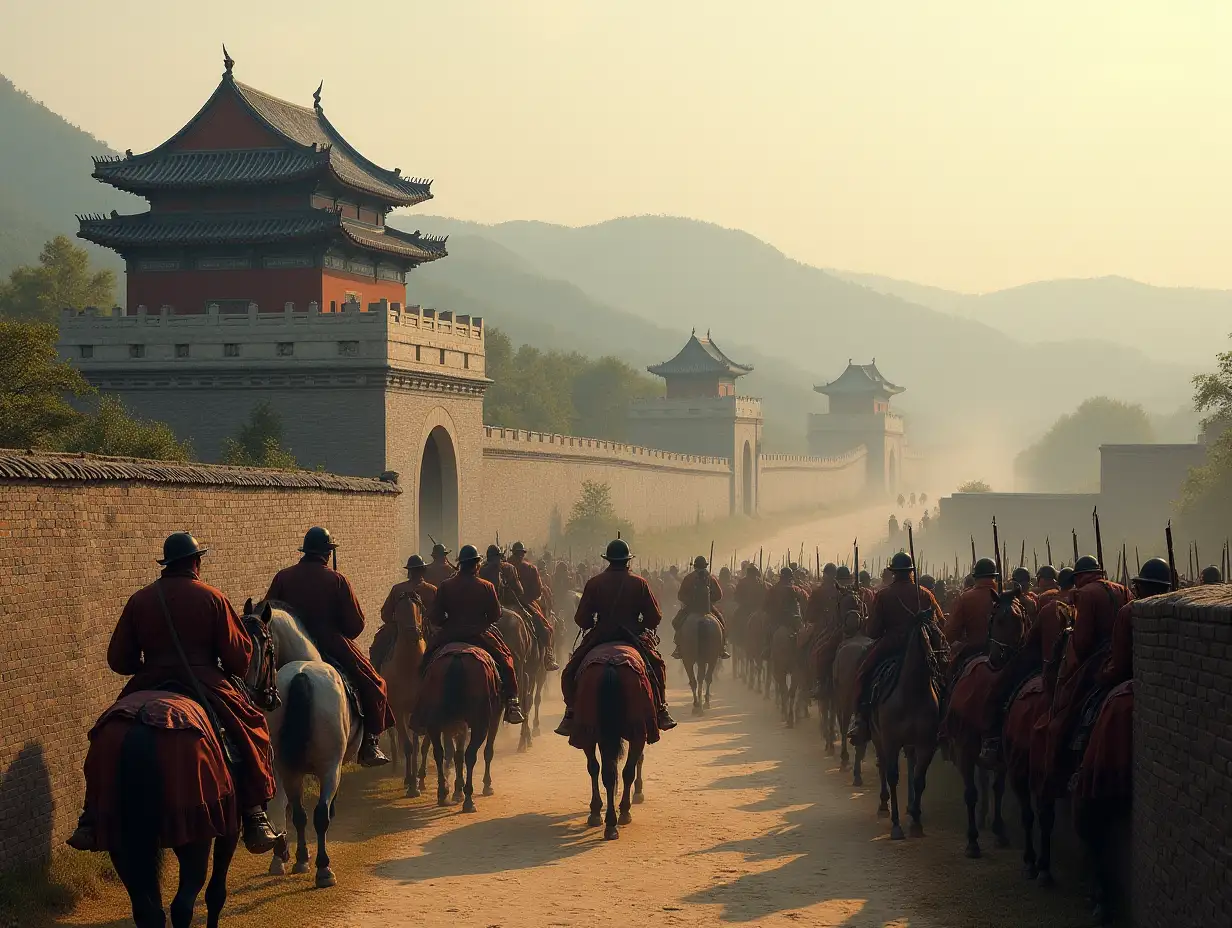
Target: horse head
[(261, 679), (1007, 627), (408, 616), (290, 641)]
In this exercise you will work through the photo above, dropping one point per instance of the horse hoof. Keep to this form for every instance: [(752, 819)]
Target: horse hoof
[(412, 792), (857, 780), (535, 731), (594, 821), (522, 748), (301, 866), (1045, 880), (916, 830), (973, 851), (829, 750), (1099, 914), (625, 818), (883, 811), (488, 791), (896, 833), (326, 878), (277, 867), (469, 805), (1002, 840), (638, 799), (444, 801), (1029, 872), (697, 710), (611, 833)]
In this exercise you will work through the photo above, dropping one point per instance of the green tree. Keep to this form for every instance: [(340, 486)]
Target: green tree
[(1066, 458), (34, 386), (1206, 495), (259, 441), (594, 521), (62, 278), (974, 486), (110, 429)]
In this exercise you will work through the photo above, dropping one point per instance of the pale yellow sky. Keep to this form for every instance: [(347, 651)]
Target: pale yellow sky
[(973, 145)]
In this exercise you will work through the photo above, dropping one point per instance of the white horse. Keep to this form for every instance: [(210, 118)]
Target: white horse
[(315, 731)]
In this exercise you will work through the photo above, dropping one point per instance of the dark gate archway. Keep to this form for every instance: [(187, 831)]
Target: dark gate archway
[(438, 492)]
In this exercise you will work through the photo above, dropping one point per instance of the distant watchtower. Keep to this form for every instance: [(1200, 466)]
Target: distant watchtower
[(701, 414), (860, 415)]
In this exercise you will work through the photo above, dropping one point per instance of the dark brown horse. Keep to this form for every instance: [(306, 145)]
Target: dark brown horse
[(847, 658), (528, 666), (849, 621), (614, 705)]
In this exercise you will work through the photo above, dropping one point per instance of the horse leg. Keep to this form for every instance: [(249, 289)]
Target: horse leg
[(321, 815), (411, 779), (299, 818), (140, 879), (407, 747), (194, 862), (489, 751), (277, 813), (540, 682), (966, 760), (693, 685), (1047, 817), (216, 890), (425, 744), (630, 771), (609, 755), (857, 778), (1022, 791), (478, 736), (921, 760), (638, 796), (459, 765), (891, 775), (438, 754), (709, 680), (998, 823), (883, 807), (982, 786), (596, 802)]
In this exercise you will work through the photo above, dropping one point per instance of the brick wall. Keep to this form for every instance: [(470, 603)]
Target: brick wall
[(78, 536), (1182, 815), (790, 481)]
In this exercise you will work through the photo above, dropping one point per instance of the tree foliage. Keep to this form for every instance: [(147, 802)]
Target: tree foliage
[(594, 521), (1066, 458), (974, 486), (62, 278), (110, 429), (258, 443), (1206, 495), (561, 392)]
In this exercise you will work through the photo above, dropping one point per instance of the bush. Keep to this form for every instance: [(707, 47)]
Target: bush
[(974, 486), (593, 521), (1066, 459), (259, 441)]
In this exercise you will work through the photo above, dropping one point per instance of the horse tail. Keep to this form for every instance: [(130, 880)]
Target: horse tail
[(296, 728), (611, 713), (453, 690), (140, 800), (708, 635)]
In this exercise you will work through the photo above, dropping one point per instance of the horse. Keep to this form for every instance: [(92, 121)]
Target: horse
[(401, 672), (460, 693), (614, 705), (786, 665), (966, 718), (847, 658), (313, 733), (701, 643), (528, 666), (820, 659), (906, 719), (153, 757)]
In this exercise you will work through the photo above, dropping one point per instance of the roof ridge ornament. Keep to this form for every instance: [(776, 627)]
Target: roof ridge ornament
[(316, 95), (227, 61)]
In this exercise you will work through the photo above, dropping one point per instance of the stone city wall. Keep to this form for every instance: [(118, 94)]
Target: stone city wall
[(791, 482), (80, 534)]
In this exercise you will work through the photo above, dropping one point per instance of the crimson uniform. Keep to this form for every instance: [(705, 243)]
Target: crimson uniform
[(466, 610)]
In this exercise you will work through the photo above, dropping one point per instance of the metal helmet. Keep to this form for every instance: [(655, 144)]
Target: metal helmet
[(842, 574), (468, 554), (724, 573), (901, 562), (750, 570), (618, 552), (317, 540), (829, 570), (518, 548), (1065, 578), (439, 550), (1047, 572), (415, 562), (1156, 573), (786, 573), (1210, 575), (180, 545), (1021, 576), (985, 569), (928, 582), (493, 553), (1087, 564), (700, 563), (865, 578)]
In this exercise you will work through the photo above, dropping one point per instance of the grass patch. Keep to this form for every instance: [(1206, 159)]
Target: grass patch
[(33, 894)]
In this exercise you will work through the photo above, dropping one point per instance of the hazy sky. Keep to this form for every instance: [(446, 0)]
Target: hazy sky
[(972, 145)]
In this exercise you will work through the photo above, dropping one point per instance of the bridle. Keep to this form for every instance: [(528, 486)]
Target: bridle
[(264, 691), (1007, 649)]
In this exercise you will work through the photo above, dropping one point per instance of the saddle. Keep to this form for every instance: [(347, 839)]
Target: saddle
[(471, 650), (352, 695), (1087, 717)]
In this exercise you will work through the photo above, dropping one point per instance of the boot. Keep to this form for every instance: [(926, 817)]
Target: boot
[(549, 658), (817, 693), (566, 724), (370, 753), (990, 752), (858, 734), (259, 834), (665, 721), (726, 655), (513, 712), (83, 839)]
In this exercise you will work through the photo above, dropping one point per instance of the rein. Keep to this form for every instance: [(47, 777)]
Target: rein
[(265, 691)]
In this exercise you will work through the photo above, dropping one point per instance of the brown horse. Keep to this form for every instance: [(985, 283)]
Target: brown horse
[(401, 672), (847, 658), (528, 666), (906, 720), (701, 644), (614, 705), (787, 668), (850, 609), (460, 693)]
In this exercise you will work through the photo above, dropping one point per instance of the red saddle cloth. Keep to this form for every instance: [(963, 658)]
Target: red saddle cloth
[(638, 716), (1107, 764), (481, 677), (969, 698), (1019, 727), (195, 795)]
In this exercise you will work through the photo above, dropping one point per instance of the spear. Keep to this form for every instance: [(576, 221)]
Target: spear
[(1171, 556), (1197, 559), (760, 561), (817, 560), (1137, 559), (1074, 533), (996, 550), (973, 551), (855, 543), (1022, 554), (1099, 542), (1035, 560), (1048, 548), (1189, 555), (919, 601), (1124, 566)]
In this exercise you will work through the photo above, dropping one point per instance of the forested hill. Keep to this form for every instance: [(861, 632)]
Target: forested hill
[(45, 180)]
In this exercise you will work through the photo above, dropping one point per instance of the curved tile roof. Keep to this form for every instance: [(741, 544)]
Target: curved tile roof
[(700, 356), (209, 168), (859, 378)]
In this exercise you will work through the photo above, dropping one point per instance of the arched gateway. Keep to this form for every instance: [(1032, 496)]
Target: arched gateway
[(438, 492)]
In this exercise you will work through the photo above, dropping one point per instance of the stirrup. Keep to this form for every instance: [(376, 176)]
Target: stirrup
[(566, 724), (513, 712)]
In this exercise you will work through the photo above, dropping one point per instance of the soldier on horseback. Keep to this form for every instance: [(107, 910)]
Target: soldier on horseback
[(823, 613), (699, 591), (895, 611), (325, 603), (617, 605), (179, 611), (414, 587), (966, 628), (533, 605), (466, 610), (440, 569), (784, 608)]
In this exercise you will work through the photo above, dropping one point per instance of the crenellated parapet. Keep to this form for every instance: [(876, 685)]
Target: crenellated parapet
[(809, 462), (499, 442)]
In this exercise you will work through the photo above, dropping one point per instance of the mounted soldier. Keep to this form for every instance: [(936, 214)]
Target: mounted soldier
[(440, 569), (617, 605), (895, 611), (1210, 575), (532, 600), (466, 610), (178, 633), (966, 628), (784, 608), (750, 593), (699, 591), (414, 587), (325, 604)]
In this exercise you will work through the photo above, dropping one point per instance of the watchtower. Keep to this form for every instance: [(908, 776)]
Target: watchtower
[(701, 414), (860, 414)]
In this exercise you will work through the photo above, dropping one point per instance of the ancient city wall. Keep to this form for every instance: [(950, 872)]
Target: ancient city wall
[(531, 481), (792, 482), (78, 535), (1182, 813)]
